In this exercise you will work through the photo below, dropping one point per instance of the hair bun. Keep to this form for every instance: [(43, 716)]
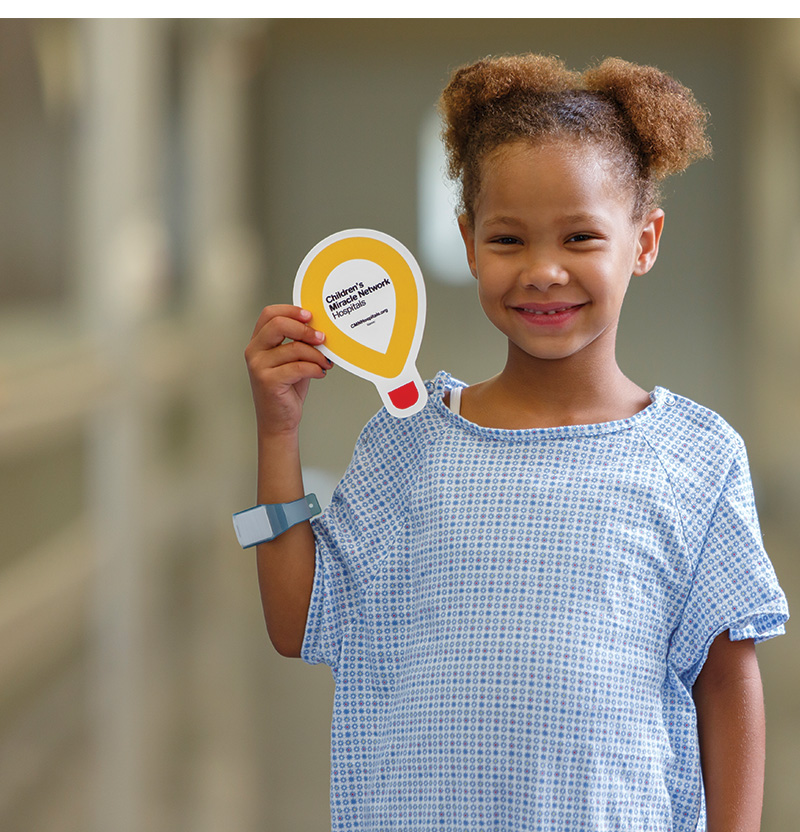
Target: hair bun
[(485, 85), (494, 78), (669, 123)]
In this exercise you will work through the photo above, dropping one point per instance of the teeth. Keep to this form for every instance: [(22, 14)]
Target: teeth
[(551, 312)]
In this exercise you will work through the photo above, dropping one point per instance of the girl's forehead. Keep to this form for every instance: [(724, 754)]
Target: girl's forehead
[(565, 150), (567, 161), (583, 169)]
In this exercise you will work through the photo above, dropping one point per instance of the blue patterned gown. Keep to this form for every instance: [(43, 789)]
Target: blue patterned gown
[(515, 619)]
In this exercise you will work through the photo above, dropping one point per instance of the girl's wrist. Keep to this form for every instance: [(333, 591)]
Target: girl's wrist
[(269, 436), (280, 478)]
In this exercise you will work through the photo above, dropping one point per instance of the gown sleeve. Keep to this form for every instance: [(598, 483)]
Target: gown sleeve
[(734, 586), (365, 522)]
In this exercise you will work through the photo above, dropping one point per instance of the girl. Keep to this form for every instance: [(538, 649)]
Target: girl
[(539, 596)]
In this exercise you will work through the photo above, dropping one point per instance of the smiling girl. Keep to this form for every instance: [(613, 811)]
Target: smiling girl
[(540, 595), (552, 274)]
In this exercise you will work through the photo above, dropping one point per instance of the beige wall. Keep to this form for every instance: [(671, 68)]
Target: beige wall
[(238, 147)]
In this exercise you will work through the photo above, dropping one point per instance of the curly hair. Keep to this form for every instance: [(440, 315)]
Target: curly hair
[(649, 125)]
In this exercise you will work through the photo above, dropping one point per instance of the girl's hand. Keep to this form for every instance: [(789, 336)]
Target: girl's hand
[(280, 369)]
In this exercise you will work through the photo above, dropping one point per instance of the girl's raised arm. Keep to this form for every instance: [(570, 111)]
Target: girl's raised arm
[(282, 359)]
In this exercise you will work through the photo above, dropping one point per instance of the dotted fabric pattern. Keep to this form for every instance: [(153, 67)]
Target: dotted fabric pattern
[(514, 619)]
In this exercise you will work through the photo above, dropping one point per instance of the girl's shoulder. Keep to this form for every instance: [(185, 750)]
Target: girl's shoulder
[(703, 456), (395, 439), (424, 425), (686, 427)]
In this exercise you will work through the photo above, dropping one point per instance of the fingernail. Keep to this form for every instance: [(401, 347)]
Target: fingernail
[(320, 335)]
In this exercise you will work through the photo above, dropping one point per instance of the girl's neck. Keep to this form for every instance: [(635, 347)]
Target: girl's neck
[(535, 393)]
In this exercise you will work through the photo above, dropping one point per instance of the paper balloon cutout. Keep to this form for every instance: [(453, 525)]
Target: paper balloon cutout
[(365, 291)]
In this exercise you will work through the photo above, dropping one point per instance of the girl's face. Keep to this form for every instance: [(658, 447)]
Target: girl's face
[(553, 247)]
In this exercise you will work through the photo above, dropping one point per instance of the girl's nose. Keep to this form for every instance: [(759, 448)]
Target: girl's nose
[(543, 272)]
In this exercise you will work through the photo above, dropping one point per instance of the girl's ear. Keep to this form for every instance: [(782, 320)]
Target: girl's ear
[(468, 236), (649, 237)]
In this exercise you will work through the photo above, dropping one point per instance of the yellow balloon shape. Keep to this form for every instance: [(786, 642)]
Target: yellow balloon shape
[(365, 291)]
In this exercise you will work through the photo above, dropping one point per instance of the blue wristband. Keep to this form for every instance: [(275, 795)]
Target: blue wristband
[(264, 523)]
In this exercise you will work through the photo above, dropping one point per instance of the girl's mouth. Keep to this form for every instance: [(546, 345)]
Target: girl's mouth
[(548, 313)]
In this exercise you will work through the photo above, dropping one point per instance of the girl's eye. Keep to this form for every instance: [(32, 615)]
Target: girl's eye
[(505, 241), (580, 238)]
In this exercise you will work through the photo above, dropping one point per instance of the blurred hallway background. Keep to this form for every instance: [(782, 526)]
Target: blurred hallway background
[(162, 180)]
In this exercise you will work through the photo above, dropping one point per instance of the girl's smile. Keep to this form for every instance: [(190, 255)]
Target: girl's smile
[(553, 248), (548, 314)]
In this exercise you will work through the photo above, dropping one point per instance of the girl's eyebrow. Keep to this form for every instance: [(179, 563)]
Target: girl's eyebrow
[(592, 219), (567, 219), (503, 220)]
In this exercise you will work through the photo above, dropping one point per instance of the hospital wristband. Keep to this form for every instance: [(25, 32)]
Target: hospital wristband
[(263, 523)]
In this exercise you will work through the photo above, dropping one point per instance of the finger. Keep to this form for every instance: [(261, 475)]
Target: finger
[(292, 351), (280, 310), (296, 371), (276, 330), (291, 378)]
